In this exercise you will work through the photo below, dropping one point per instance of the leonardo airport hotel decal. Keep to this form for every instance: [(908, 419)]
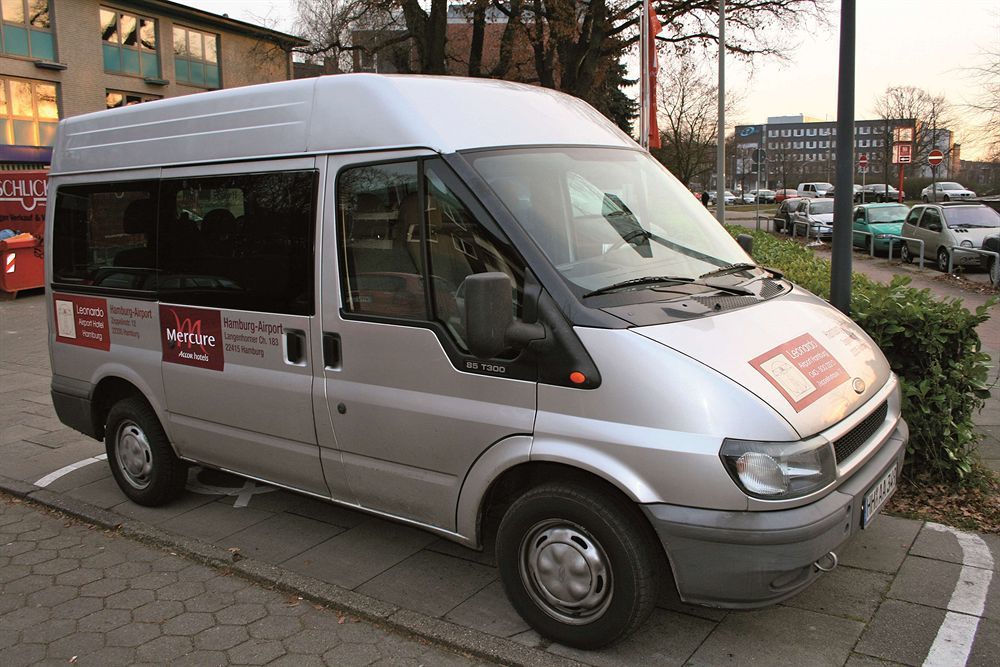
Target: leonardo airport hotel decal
[(82, 321), (802, 370)]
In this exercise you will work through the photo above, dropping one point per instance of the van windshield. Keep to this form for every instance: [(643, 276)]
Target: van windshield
[(604, 215)]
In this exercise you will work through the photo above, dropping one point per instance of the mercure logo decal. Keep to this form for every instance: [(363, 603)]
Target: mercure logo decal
[(191, 336)]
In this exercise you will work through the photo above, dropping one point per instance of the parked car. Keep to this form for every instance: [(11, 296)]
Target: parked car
[(818, 213), (946, 191), (781, 222), (782, 195), (765, 196), (814, 189), (727, 196), (856, 189), (877, 192), (944, 227), (881, 220)]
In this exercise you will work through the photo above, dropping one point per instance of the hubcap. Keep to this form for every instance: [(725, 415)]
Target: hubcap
[(566, 572), (135, 456), (942, 261)]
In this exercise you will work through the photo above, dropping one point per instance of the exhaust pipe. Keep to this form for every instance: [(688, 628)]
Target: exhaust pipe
[(831, 559)]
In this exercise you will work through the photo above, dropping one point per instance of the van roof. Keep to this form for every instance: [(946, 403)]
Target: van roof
[(340, 113)]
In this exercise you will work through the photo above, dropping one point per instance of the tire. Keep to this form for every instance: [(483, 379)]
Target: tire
[(942, 260), (560, 530), (905, 254), (946, 198), (994, 271), (924, 198), (142, 461)]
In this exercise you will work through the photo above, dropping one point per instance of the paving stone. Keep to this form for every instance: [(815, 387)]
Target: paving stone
[(109, 656), (221, 637), (352, 655), (134, 634), (10, 637), (667, 638), (29, 584), (34, 557), (47, 632), (130, 599), (256, 652), (78, 643), (11, 573), (188, 624), (901, 632), (164, 649), (882, 546), (272, 627), (77, 608), (328, 513), (103, 588), (986, 647), (56, 566), (202, 659), (103, 493), (153, 581), (212, 522), (298, 660), (20, 619), (361, 553), (489, 611), (181, 590), (846, 592), (80, 576), (815, 639), (280, 537), (104, 621), (430, 582), (52, 596), (128, 570), (944, 546), (210, 601), (240, 614), (312, 641), (158, 611), (157, 515), (22, 655)]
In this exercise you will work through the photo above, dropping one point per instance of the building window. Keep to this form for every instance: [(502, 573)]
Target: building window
[(29, 112), (772, 133), (797, 144), (129, 44), (810, 144), (120, 98), (811, 132), (866, 129), (786, 133), (27, 29), (196, 57)]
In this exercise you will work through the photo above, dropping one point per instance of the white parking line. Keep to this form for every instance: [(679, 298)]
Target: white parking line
[(53, 476), (953, 643)]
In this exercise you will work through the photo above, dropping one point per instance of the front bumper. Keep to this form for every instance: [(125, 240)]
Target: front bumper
[(744, 560)]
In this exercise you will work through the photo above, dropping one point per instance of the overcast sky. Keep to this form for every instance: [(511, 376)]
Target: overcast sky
[(924, 43)]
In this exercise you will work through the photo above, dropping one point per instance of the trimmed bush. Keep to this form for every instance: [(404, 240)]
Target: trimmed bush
[(931, 344)]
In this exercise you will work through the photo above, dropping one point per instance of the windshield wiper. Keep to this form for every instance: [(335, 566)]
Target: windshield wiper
[(725, 270), (644, 280)]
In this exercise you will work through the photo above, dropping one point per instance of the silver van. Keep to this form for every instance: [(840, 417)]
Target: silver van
[(471, 306)]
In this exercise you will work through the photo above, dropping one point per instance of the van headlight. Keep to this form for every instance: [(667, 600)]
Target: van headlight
[(779, 470), (966, 243)]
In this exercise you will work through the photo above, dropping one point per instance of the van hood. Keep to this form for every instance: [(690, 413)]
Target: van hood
[(823, 218), (977, 235), (809, 362)]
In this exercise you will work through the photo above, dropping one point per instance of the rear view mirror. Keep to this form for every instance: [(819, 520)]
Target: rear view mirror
[(487, 313), (746, 242)]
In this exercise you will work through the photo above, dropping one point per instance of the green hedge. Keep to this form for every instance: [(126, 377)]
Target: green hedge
[(931, 344)]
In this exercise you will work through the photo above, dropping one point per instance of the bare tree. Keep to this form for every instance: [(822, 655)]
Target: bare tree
[(987, 102), (928, 114), (688, 118)]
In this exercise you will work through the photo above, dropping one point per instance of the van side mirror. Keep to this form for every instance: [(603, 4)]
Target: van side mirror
[(746, 242), (489, 323), (487, 313)]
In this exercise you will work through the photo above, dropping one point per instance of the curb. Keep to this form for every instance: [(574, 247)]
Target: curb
[(443, 633)]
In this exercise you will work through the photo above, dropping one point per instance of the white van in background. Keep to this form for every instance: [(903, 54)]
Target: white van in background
[(471, 306), (814, 189)]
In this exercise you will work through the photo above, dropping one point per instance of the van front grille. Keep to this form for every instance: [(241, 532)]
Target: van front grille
[(719, 303), (859, 435)]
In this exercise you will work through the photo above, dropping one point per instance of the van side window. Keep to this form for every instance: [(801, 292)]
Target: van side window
[(105, 235), (380, 229), (243, 242), (386, 232), (461, 247)]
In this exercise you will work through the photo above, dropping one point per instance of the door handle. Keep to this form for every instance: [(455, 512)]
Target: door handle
[(331, 351), (295, 347)]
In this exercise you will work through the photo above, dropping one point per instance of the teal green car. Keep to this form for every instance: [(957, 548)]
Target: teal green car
[(881, 220)]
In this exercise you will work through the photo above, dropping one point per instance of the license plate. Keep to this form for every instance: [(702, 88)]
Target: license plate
[(878, 495)]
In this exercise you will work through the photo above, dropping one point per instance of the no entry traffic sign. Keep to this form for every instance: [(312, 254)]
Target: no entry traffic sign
[(935, 157), (863, 160)]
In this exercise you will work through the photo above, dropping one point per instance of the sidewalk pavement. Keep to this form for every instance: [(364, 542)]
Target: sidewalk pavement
[(70, 594), (896, 597)]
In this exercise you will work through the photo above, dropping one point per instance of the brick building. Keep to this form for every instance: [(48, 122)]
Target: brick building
[(61, 58)]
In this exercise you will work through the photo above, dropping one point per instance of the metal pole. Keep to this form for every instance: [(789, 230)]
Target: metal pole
[(840, 274), (720, 161), (756, 195), (644, 76)]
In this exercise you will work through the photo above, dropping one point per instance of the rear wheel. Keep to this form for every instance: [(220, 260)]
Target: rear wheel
[(578, 563), (142, 461), (942, 260), (994, 271)]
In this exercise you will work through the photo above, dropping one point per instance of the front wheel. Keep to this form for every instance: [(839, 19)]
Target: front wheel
[(578, 563), (942, 260), (142, 461), (905, 254)]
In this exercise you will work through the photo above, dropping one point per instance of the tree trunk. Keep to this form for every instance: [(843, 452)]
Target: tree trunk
[(478, 37)]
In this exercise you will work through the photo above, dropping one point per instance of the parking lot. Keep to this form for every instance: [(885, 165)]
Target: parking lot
[(906, 592)]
